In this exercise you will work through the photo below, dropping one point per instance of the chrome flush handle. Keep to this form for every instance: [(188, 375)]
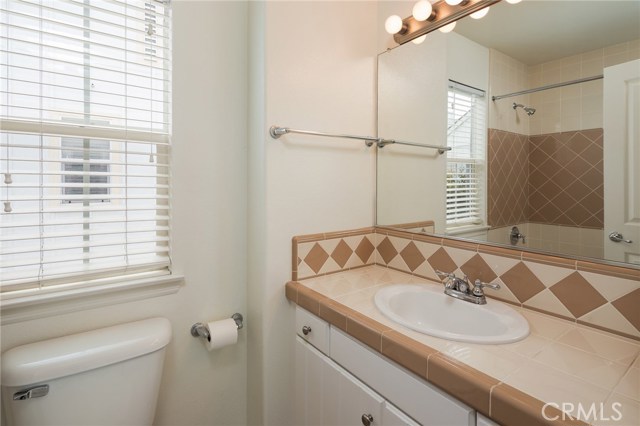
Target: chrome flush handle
[(617, 237)]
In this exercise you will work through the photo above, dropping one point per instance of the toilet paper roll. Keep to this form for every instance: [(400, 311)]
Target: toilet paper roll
[(223, 333)]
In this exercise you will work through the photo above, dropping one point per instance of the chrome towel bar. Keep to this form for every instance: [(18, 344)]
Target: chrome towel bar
[(277, 131)]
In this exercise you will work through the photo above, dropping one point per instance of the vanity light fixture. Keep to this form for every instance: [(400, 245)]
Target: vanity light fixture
[(447, 28), (393, 24), (513, 1), (423, 11), (419, 40), (480, 14), (427, 17)]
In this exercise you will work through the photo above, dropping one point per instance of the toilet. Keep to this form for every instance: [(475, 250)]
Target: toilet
[(109, 376)]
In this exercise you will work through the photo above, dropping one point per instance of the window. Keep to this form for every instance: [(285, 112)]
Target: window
[(466, 135), (84, 142)]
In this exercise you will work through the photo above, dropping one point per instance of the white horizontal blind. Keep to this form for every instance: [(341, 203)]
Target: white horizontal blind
[(466, 135), (84, 140)]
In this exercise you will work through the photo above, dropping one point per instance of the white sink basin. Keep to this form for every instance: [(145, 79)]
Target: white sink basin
[(426, 309)]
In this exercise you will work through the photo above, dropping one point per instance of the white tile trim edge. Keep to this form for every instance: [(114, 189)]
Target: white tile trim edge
[(63, 302)]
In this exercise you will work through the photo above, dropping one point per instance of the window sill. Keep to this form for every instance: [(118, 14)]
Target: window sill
[(466, 229), (25, 308)]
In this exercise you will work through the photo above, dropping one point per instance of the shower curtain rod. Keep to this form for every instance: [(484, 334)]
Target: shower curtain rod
[(276, 132), (550, 86)]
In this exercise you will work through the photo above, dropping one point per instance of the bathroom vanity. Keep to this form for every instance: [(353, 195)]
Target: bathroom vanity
[(341, 382), (355, 366)]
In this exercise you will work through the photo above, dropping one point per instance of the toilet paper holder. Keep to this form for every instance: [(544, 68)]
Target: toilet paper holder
[(201, 330)]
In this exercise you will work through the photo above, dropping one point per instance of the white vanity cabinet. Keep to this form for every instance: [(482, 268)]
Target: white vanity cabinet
[(349, 384), (328, 395)]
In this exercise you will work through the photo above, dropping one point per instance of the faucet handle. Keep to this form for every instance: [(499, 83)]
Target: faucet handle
[(479, 285), (443, 275)]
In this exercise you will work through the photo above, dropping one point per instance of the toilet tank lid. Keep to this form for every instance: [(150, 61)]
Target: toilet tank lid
[(76, 353)]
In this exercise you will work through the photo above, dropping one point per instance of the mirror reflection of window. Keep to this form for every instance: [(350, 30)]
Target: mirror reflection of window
[(466, 165)]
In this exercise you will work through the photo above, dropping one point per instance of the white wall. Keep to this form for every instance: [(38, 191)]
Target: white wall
[(412, 103), (317, 72), (209, 223)]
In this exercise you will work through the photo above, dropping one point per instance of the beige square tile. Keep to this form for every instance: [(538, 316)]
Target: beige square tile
[(619, 411), (592, 67), (586, 366), (304, 271), (551, 385), (548, 302), (615, 49), (630, 384), (329, 267), (503, 293), (340, 284), (546, 326), (609, 317), (460, 256), (489, 359), (529, 347), (629, 306), (547, 274), (360, 300), (613, 348), (615, 59)]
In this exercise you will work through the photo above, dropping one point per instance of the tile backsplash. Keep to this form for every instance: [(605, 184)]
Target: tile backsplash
[(601, 296)]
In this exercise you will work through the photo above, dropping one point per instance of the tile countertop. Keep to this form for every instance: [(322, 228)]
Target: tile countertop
[(559, 362)]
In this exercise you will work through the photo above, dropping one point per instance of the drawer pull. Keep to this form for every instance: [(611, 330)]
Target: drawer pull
[(367, 419), (306, 330)]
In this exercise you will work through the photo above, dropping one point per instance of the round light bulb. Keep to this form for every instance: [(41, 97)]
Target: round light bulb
[(419, 40), (453, 2), (513, 1), (448, 28), (393, 24), (422, 10), (480, 14)]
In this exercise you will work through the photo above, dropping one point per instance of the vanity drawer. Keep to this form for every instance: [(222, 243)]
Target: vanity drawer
[(312, 329), (421, 400)]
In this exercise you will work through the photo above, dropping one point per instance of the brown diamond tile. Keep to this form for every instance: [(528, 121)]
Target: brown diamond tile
[(522, 282), (316, 258), (364, 249), (341, 253), (441, 261), (594, 135), (629, 307), (387, 250), (577, 295), (412, 256), (477, 269)]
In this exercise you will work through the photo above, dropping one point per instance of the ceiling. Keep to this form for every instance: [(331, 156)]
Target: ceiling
[(537, 31)]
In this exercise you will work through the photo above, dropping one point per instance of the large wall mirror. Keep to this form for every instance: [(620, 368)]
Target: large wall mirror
[(535, 162)]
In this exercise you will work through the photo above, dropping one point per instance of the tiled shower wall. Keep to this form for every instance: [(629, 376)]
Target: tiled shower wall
[(552, 179), (601, 296)]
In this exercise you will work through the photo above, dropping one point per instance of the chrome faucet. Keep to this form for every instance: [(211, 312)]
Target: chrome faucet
[(461, 289)]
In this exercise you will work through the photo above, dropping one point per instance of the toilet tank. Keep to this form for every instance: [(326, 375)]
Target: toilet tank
[(109, 376)]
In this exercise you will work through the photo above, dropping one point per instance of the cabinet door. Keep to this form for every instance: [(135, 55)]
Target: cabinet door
[(391, 416), (328, 395), (357, 404), (484, 421), (314, 380)]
